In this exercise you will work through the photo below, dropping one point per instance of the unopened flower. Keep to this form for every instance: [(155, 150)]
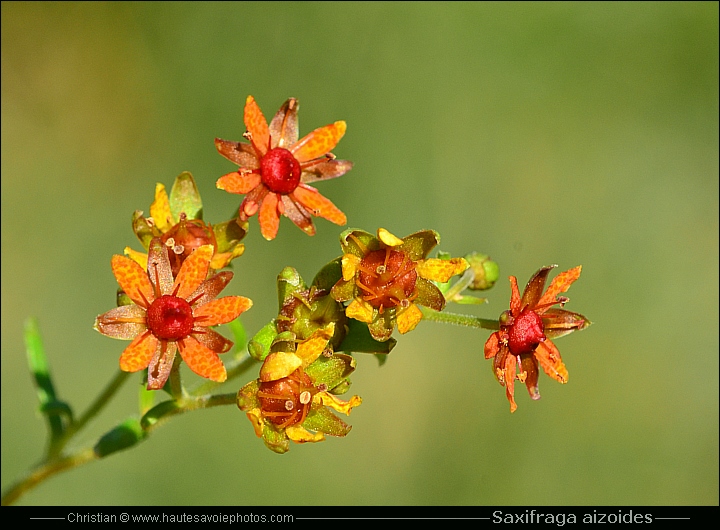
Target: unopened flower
[(296, 387), (170, 314), (177, 220), (386, 277), (276, 169), (526, 329)]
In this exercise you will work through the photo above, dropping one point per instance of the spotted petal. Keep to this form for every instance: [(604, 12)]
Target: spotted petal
[(257, 126), (441, 270), (318, 205), (202, 360), (193, 271), (560, 284), (221, 311), (139, 353), (549, 359), (408, 319), (133, 280), (269, 217), (319, 142), (160, 209), (238, 182)]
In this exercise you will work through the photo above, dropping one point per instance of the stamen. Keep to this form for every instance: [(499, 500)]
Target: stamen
[(289, 405), (170, 243), (178, 249), (305, 397)]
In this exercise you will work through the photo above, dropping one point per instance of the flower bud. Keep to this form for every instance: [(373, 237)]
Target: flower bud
[(486, 271)]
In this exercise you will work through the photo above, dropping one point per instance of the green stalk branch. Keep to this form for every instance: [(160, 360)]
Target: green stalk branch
[(459, 320)]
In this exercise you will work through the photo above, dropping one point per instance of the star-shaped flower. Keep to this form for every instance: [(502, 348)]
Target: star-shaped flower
[(170, 314), (276, 168), (385, 277), (526, 329), (298, 382)]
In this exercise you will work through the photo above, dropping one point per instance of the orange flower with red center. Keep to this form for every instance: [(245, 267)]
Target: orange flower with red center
[(526, 330), (171, 314), (276, 167)]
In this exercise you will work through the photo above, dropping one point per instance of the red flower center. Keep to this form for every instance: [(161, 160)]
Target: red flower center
[(286, 401), (526, 332), (387, 277), (170, 318), (280, 171)]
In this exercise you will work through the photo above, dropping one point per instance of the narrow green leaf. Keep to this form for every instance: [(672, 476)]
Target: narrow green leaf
[(259, 345), (54, 411)]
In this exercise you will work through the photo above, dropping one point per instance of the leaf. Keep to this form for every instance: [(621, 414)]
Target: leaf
[(329, 275), (185, 197), (124, 436), (57, 413)]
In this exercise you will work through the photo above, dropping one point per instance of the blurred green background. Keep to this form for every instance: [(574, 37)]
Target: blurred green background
[(566, 133)]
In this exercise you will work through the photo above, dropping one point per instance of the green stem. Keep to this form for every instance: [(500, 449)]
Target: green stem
[(166, 410), (459, 320), (97, 405)]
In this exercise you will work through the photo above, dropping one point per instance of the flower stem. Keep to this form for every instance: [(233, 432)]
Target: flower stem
[(459, 320)]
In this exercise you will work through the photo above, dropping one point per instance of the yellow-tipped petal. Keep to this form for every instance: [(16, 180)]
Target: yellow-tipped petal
[(389, 239), (300, 435), (441, 270), (278, 365), (255, 417), (138, 257), (360, 310), (336, 403), (160, 209), (409, 319), (350, 263), (311, 348)]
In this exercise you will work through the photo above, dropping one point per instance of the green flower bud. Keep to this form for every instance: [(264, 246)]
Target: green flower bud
[(486, 271)]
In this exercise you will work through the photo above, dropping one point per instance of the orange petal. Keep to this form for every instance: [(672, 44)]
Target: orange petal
[(257, 126), (549, 358), (221, 311), (139, 353), (193, 271), (318, 205), (202, 360), (140, 258), (514, 296), (238, 182), (510, 368), (560, 284), (269, 217), (492, 345), (319, 142), (133, 280), (409, 319)]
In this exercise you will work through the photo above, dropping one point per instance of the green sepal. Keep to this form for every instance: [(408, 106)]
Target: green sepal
[(341, 387), (259, 345), (146, 399), (124, 436), (185, 197), (359, 340), (343, 290), (288, 283), (320, 419), (275, 439), (247, 396), (57, 413), (284, 342), (381, 327), (329, 275), (228, 234), (418, 245), (143, 230), (350, 246), (121, 298), (331, 371), (429, 295)]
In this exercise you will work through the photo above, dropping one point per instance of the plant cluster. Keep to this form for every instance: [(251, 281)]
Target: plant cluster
[(168, 305)]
